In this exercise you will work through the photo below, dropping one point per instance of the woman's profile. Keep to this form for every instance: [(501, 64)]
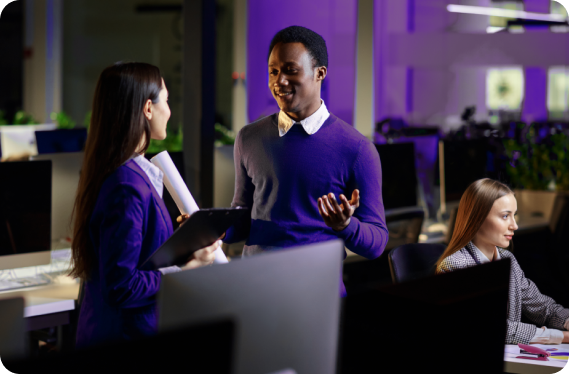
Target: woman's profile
[(119, 217), (484, 228)]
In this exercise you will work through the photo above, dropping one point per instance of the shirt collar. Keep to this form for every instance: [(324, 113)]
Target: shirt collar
[(481, 256), (155, 175), (310, 124)]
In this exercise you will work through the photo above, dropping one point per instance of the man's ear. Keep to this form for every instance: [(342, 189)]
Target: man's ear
[(321, 73), (147, 110)]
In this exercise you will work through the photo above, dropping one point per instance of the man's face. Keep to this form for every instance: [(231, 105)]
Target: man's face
[(293, 81)]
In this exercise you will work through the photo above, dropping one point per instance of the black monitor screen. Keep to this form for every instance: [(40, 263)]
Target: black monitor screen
[(465, 161), (25, 207), (398, 175), (57, 141)]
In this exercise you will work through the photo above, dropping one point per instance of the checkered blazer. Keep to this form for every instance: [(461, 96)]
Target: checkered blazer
[(524, 297)]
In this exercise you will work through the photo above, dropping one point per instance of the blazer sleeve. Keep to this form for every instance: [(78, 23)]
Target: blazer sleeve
[(539, 308), (519, 332), (243, 197), (367, 233), (120, 243)]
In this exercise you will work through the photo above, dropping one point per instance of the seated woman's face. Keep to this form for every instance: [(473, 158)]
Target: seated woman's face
[(499, 226)]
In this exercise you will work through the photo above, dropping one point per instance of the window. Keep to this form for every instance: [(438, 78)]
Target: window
[(557, 91), (504, 88), (496, 24)]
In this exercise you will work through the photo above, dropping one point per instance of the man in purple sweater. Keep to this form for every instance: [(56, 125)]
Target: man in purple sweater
[(295, 168)]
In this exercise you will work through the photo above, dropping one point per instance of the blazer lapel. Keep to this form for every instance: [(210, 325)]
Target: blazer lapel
[(163, 210)]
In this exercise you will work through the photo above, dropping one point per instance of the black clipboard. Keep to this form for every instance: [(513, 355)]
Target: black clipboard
[(202, 229)]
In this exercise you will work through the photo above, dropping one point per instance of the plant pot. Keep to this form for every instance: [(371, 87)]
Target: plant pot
[(536, 203)]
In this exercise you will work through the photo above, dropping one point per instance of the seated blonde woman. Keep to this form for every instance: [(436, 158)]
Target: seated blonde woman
[(484, 227)]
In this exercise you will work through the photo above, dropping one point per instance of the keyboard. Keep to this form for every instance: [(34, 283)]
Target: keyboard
[(10, 284)]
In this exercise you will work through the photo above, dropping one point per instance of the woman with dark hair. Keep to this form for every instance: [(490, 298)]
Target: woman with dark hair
[(484, 227), (119, 217)]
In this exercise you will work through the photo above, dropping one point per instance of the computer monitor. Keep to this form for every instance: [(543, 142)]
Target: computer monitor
[(461, 162), (12, 328), (66, 168), (285, 304), (25, 214), (56, 141), (202, 348), (398, 175), (447, 323)]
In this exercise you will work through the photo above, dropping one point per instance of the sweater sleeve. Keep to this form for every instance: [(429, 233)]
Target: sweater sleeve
[(367, 233), (243, 197), (121, 235)]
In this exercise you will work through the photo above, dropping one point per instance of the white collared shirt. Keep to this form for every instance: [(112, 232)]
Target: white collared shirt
[(155, 175), (310, 124), (483, 258)]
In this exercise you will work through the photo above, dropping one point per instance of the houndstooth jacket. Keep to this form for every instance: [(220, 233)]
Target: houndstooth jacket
[(524, 297)]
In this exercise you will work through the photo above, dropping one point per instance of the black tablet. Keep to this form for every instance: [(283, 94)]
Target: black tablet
[(202, 229)]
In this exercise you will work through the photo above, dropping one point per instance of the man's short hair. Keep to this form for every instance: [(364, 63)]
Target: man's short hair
[(313, 42)]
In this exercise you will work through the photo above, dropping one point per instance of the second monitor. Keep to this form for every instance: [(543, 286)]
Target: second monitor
[(398, 175)]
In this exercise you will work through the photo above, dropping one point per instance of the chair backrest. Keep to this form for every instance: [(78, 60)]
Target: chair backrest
[(412, 261), (559, 223)]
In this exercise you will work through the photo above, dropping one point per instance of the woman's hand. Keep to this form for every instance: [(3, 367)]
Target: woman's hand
[(181, 219), (565, 337), (202, 257)]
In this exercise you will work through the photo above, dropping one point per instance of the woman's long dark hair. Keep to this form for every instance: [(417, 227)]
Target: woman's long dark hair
[(474, 207), (117, 128)]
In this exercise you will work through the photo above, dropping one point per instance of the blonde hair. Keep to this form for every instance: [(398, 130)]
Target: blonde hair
[(474, 207)]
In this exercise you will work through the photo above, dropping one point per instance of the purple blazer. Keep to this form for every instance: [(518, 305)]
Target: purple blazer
[(128, 224)]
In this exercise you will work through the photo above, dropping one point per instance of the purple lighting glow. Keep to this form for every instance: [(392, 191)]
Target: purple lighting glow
[(335, 20)]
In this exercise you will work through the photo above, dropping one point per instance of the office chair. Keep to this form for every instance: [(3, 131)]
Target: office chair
[(412, 261)]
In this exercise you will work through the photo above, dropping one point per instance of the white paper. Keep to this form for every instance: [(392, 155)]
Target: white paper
[(180, 192)]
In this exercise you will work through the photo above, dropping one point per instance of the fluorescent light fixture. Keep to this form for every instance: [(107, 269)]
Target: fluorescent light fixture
[(493, 29), (507, 13)]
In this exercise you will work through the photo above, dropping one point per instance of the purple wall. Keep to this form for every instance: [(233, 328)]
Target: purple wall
[(335, 20), (534, 107)]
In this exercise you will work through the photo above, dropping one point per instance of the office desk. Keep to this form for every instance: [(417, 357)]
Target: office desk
[(523, 366), (46, 306)]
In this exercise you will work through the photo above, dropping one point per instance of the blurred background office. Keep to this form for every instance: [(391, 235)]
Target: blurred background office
[(450, 91)]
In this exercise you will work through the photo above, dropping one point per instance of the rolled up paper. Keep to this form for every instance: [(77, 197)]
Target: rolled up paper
[(180, 192)]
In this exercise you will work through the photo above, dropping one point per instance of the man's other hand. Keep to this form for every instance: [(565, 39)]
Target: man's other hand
[(337, 216)]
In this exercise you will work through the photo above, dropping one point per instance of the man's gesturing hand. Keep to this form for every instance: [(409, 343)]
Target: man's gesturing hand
[(337, 216)]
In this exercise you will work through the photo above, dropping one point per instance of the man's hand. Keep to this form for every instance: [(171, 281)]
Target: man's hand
[(337, 216)]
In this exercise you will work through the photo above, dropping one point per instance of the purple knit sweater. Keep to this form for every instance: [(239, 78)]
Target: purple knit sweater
[(281, 179)]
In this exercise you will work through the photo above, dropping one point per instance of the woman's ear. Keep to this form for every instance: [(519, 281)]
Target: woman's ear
[(148, 109)]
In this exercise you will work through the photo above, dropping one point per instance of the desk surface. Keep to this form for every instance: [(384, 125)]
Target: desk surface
[(41, 300), (523, 366)]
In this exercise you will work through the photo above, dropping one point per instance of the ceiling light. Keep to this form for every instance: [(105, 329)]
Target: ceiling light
[(507, 13)]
